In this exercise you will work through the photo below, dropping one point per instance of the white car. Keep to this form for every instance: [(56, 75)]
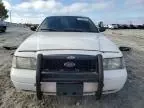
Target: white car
[(67, 55), (113, 26)]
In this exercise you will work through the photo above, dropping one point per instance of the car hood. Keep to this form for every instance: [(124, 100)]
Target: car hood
[(67, 41)]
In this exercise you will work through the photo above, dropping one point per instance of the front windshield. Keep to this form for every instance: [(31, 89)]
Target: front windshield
[(68, 24)]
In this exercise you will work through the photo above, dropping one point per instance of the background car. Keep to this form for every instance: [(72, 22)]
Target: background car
[(3, 26), (113, 26)]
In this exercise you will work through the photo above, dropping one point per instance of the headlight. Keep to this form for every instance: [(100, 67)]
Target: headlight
[(113, 63), (24, 63)]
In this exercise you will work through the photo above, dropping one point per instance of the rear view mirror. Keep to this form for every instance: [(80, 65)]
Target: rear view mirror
[(33, 28)]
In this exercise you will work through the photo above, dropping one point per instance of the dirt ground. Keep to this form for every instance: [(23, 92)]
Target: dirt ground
[(131, 96)]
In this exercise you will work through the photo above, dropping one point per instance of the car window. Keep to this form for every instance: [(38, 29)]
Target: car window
[(68, 24)]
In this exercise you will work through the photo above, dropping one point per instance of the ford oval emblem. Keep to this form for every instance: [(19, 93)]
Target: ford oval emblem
[(71, 57), (69, 64)]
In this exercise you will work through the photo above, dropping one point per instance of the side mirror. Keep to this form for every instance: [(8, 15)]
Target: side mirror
[(102, 29), (123, 48), (33, 28)]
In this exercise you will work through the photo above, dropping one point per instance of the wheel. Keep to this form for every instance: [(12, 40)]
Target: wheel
[(38, 76), (100, 77), (3, 31)]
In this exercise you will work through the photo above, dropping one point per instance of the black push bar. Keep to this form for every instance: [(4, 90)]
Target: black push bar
[(45, 76)]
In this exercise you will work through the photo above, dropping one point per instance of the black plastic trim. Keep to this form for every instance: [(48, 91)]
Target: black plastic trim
[(38, 76), (69, 77), (100, 77)]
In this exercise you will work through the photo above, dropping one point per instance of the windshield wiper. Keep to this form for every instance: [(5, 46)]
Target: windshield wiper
[(49, 29), (65, 30)]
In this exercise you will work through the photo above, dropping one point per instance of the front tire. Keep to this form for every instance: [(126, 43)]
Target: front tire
[(3, 31)]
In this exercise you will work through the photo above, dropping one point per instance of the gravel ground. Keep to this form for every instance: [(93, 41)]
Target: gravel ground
[(131, 96)]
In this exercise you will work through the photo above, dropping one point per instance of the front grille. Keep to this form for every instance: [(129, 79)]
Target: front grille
[(83, 63)]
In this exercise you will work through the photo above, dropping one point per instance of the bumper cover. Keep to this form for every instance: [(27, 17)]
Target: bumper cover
[(25, 80)]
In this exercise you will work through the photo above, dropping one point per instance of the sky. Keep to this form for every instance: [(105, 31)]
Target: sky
[(108, 11)]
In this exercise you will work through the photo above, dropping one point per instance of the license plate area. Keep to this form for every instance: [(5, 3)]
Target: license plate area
[(69, 89)]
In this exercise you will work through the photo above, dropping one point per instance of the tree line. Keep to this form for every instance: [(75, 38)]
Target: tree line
[(3, 11)]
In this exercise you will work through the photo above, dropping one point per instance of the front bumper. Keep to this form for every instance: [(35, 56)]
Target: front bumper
[(23, 79)]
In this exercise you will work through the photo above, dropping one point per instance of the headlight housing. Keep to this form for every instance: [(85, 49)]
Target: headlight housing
[(30, 63), (113, 63), (24, 63)]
